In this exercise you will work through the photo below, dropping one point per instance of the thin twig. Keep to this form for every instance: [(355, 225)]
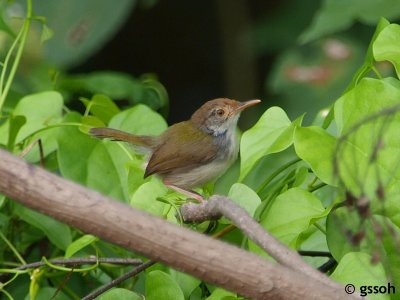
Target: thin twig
[(330, 264), (82, 261), (41, 153), (118, 280), (224, 231), (28, 148), (63, 283), (314, 253)]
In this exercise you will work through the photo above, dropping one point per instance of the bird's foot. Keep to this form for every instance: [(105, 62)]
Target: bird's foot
[(191, 194)]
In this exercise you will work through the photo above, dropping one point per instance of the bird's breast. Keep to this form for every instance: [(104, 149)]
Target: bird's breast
[(228, 146)]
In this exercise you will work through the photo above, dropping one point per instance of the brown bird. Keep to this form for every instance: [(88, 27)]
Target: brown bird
[(191, 153)]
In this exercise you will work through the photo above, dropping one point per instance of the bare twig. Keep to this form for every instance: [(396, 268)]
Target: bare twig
[(314, 253), (224, 231), (119, 280), (29, 148), (62, 285), (82, 261)]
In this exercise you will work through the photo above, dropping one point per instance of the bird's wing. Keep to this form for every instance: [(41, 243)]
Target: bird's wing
[(182, 147)]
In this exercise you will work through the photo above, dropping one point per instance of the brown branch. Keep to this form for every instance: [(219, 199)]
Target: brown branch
[(210, 260), (220, 205)]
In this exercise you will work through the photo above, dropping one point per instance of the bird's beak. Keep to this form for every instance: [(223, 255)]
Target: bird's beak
[(246, 104)]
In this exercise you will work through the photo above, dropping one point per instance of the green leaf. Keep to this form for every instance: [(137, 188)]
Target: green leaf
[(101, 107), (367, 274), (369, 57), (366, 159), (81, 30), (139, 120), (221, 294), (48, 293), (98, 164), (390, 234), (186, 282), (47, 33), (120, 86), (338, 225), (301, 176), (315, 240), (3, 24), (145, 197), (2, 200), (245, 197), (135, 175), (58, 233), (118, 294), (107, 171), (339, 15), (160, 285), (16, 122), (154, 95), (290, 214), (89, 122), (387, 45), (379, 237), (272, 133), (79, 244), (116, 85), (316, 147), (40, 111), (73, 163), (368, 97)]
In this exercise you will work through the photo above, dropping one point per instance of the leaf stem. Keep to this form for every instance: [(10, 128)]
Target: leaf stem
[(23, 37), (7, 294), (13, 249), (276, 173), (320, 228), (376, 71), (316, 187)]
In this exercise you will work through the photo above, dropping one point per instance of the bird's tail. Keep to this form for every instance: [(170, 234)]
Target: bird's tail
[(118, 135)]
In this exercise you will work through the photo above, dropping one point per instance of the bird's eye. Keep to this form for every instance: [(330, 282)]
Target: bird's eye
[(220, 112)]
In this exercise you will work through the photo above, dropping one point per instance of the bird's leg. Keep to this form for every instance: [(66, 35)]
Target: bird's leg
[(190, 194)]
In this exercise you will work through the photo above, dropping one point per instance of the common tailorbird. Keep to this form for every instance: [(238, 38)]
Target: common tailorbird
[(191, 153)]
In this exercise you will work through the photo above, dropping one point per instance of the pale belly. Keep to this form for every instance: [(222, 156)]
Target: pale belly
[(199, 176)]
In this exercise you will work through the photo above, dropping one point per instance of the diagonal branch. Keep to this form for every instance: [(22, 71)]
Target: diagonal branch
[(210, 260), (220, 205)]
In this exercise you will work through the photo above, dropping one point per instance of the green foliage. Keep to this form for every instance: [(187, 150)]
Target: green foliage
[(359, 263), (272, 133), (119, 86), (332, 186), (160, 285), (387, 45), (291, 214), (58, 233), (79, 244), (245, 197), (79, 28), (118, 293), (316, 147), (337, 15)]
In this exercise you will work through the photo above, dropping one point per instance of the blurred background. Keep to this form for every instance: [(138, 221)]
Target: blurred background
[(174, 55)]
